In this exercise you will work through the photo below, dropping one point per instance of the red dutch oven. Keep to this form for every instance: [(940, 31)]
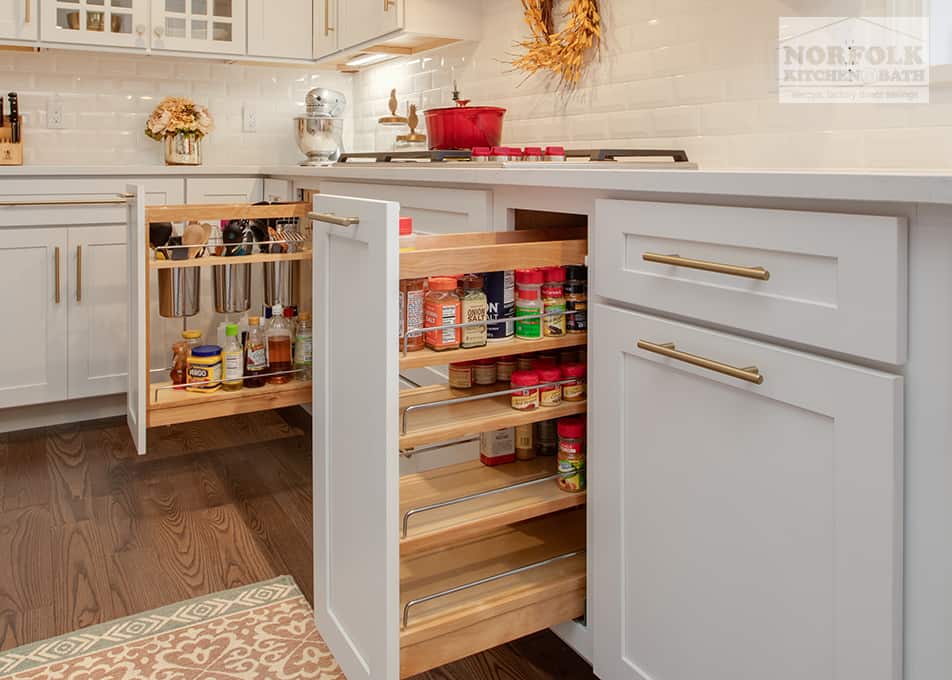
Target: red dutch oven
[(463, 127)]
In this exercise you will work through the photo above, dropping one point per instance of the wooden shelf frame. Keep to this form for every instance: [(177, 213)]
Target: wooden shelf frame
[(224, 211), (470, 518), (448, 255), (181, 406), (442, 423), (427, 357)]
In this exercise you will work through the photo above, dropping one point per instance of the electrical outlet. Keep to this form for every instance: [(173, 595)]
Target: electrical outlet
[(249, 118), (54, 113)]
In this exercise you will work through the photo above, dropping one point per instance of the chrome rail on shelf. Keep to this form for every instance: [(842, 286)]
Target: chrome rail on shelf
[(182, 386), (409, 453), (475, 397), (483, 581)]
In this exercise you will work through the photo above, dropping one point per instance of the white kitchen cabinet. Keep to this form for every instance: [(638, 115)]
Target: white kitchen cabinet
[(19, 20), (205, 26), (33, 278), (109, 23), (280, 28), (741, 531), (98, 328), (326, 35), (224, 189), (377, 572), (363, 20)]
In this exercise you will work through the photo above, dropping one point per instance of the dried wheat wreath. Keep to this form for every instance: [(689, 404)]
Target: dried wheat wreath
[(561, 52)]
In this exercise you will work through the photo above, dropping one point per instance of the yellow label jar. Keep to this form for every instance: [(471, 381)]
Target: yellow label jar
[(204, 369)]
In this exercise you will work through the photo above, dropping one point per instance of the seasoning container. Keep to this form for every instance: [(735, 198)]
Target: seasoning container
[(480, 154), (256, 354), (575, 390), (525, 445), (555, 153), (304, 347), (524, 363), (553, 301), (569, 356), (473, 304), (204, 366), (232, 359), (278, 337), (547, 437), (496, 448), (504, 368), (484, 372), (412, 295), (551, 395), (499, 154), (442, 307), (576, 298), (500, 288), (515, 153), (526, 399), (529, 303), (179, 371), (572, 454), (461, 375), (541, 362), (533, 154), (407, 239)]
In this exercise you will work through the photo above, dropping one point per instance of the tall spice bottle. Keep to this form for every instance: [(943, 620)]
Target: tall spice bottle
[(256, 354)]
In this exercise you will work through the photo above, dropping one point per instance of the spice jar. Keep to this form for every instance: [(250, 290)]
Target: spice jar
[(572, 455), (524, 362), (442, 307), (526, 399), (473, 301), (412, 294), (461, 375), (529, 303), (484, 372), (204, 366), (550, 395), (553, 301), (496, 448), (575, 390), (525, 446), (500, 289), (179, 372), (547, 437), (504, 368), (576, 298)]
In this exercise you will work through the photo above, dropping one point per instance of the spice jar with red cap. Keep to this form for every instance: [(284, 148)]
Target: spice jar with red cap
[(529, 303), (407, 239), (527, 398), (571, 459), (442, 308), (574, 390), (550, 395)]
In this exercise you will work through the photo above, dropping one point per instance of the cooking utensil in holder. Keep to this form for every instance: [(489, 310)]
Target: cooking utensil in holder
[(179, 292), (232, 286), (11, 153), (281, 283)]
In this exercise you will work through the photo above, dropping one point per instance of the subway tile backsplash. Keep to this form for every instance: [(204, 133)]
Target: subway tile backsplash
[(693, 74), (108, 97)]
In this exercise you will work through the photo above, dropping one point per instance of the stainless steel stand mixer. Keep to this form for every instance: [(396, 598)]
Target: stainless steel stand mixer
[(319, 132)]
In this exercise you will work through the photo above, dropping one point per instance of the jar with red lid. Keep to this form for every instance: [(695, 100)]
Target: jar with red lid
[(441, 308), (550, 395), (526, 399), (461, 375), (524, 362), (533, 153), (574, 390), (555, 153), (529, 303), (407, 239), (484, 372), (553, 301), (504, 368), (480, 153), (571, 458)]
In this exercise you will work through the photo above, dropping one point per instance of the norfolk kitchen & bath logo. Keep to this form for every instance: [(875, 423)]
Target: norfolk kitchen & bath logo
[(861, 60)]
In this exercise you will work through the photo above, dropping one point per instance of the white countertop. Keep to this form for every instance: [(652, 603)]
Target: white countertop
[(858, 185)]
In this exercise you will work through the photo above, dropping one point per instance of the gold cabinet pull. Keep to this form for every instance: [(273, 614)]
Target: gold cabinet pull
[(750, 373), (56, 273), (387, 4), (28, 12), (79, 273), (327, 18), (758, 273)]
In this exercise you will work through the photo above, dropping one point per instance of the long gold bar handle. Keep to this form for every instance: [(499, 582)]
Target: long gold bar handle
[(28, 12), (327, 18), (758, 273), (750, 373), (79, 273), (387, 4), (56, 272)]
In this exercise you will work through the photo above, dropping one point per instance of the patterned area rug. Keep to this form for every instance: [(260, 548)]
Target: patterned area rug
[(262, 631)]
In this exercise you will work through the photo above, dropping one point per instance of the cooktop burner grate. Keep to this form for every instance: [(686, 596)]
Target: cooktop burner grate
[(594, 155)]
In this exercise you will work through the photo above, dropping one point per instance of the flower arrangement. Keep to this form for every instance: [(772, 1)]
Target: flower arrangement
[(178, 116), (561, 52)]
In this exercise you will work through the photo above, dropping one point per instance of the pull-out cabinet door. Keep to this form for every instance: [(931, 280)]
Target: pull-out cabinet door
[(356, 476), (137, 316), (741, 531)]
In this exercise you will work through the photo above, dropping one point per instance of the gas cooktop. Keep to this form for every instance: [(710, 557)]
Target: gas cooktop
[(575, 157)]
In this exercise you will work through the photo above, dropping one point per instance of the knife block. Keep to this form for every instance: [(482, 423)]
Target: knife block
[(10, 153)]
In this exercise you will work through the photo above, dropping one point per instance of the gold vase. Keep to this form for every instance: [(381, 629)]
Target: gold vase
[(182, 149)]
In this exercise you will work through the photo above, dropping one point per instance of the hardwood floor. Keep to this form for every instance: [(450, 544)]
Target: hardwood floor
[(90, 532)]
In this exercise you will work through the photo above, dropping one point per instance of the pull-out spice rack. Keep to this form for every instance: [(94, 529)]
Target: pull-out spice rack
[(459, 558)]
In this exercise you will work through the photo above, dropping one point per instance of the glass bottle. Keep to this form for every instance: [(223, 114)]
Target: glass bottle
[(279, 347), (232, 358), (304, 347), (256, 354)]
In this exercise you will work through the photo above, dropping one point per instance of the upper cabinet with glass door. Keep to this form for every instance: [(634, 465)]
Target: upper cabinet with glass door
[(112, 23), (208, 26)]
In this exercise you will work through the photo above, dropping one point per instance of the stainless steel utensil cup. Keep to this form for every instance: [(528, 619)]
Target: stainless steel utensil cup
[(281, 283), (232, 286), (179, 292)]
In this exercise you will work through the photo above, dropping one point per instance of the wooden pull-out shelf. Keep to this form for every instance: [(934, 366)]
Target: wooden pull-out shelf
[(453, 523), (427, 357), (443, 423), (472, 620), (493, 251), (169, 407)]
